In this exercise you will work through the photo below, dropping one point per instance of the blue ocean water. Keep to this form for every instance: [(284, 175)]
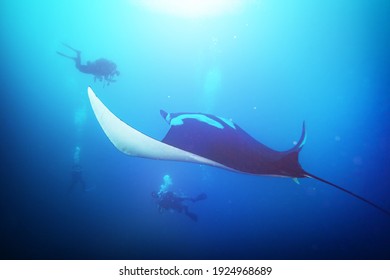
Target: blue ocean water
[(266, 65)]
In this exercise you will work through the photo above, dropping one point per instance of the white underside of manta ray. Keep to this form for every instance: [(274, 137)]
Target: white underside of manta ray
[(207, 139)]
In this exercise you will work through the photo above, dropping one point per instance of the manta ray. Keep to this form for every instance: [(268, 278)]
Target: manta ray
[(208, 139)]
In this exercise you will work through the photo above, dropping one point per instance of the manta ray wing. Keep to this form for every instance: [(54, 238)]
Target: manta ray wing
[(200, 138), (134, 143)]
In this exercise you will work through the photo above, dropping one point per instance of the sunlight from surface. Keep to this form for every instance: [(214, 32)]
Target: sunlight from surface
[(193, 8)]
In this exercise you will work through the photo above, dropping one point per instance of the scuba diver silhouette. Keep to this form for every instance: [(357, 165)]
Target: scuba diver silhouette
[(77, 173), (171, 201), (77, 177), (168, 200), (100, 69)]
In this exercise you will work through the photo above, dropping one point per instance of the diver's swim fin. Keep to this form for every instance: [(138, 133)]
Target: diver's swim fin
[(192, 216), (69, 47), (67, 56), (91, 188), (202, 196)]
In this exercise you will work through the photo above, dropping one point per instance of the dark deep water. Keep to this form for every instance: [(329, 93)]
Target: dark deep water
[(268, 66)]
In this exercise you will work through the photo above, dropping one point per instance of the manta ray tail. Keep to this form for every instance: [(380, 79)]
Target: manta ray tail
[(308, 175)]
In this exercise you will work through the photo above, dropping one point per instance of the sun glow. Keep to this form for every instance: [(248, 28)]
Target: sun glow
[(193, 8)]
